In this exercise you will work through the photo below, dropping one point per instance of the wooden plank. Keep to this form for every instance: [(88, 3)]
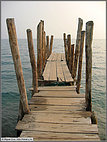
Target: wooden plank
[(51, 127), (52, 75), (71, 113), (50, 136), (55, 118), (58, 88), (53, 108), (59, 94), (59, 71), (55, 101), (67, 75)]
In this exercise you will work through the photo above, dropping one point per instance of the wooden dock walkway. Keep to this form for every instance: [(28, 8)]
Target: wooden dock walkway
[(58, 112), (55, 113), (56, 69)]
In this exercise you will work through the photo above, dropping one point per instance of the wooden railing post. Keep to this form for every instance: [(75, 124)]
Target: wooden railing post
[(72, 58), (51, 44), (47, 47), (39, 50), (23, 108), (77, 50), (88, 50), (80, 62), (69, 51), (33, 61)]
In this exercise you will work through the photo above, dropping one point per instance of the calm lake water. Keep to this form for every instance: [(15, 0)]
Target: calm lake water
[(10, 92)]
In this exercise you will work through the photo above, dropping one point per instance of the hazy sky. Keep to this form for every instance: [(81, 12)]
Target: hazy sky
[(59, 17)]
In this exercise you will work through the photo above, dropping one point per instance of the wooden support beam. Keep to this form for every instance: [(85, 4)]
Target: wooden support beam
[(88, 50), (77, 50), (39, 50), (47, 47), (69, 51), (23, 108), (51, 44), (80, 62), (72, 58), (33, 61)]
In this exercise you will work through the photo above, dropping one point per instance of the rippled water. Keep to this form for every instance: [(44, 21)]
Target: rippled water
[(10, 93)]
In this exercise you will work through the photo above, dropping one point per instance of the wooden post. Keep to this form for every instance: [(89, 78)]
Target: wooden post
[(77, 50), (80, 62), (47, 47), (32, 60), (65, 45), (44, 62), (39, 50), (43, 50), (23, 108), (51, 44), (69, 51), (72, 58), (88, 50)]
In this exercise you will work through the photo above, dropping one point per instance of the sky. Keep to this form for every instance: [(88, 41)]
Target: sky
[(58, 16)]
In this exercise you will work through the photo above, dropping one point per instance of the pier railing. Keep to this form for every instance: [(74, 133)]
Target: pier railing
[(44, 50)]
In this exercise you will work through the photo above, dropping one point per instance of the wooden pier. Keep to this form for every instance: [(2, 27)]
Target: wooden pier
[(57, 113)]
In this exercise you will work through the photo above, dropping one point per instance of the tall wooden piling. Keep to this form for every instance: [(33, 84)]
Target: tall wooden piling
[(47, 47), (88, 50), (23, 108), (72, 58), (80, 62), (39, 50), (69, 51), (44, 52), (51, 44), (77, 50), (33, 61), (65, 45)]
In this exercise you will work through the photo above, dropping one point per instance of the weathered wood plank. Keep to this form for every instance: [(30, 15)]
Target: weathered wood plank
[(53, 108), (52, 74), (59, 71), (79, 128), (61, 88), (55, 118), (55, 101), (50, 136), (58, 94)]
